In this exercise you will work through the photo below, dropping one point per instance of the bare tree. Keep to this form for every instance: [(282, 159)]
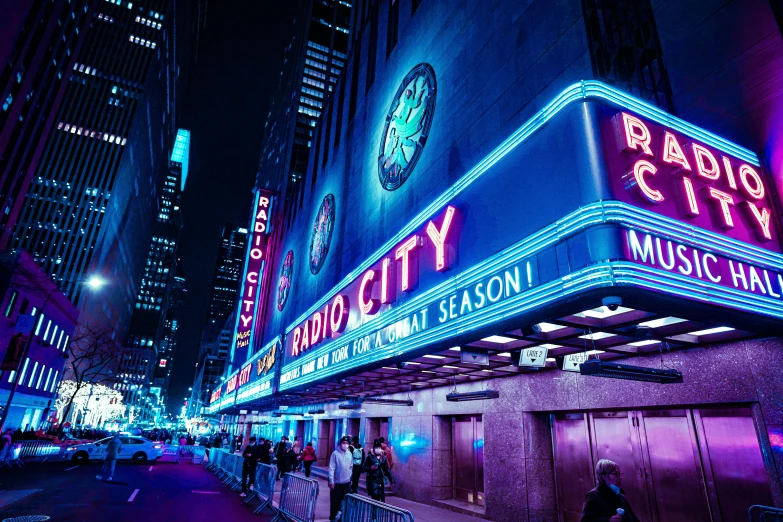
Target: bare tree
[(93, 355)]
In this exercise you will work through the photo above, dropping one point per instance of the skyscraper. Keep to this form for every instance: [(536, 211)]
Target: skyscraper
[(38, 40), (228, 269), (65, 206), (313, 61)]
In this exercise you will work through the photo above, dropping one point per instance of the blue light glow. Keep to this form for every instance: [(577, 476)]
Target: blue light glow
[(181, 153), (594, 276), (578, 92)]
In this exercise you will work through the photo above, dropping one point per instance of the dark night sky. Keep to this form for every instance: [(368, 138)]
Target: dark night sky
[(237, 72)]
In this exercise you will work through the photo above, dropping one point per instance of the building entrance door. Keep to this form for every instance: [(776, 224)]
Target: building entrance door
[(684, 465), (468, 451)]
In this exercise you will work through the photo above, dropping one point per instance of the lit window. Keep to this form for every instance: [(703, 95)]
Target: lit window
[(32, 375)]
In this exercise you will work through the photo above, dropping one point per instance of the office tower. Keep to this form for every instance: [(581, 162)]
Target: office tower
[(228, 269), (38, 41), (211, 365), (159, 299), (69, 196), (312, 63)]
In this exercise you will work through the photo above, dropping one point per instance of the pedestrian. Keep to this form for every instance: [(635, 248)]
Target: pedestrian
[(358, 461), (387, 450), (112, 450), (297, 460), (251, 455), (182, 443), (606, 502), (6, 445), (308, 458), (340, 472), (377, 467), (290, 458), (280, 456), (266, 452)]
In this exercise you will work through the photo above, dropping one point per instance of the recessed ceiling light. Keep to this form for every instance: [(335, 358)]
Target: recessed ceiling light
[(551, 359), (504, 354), (488, 371), (427, 371), (455, 349), (549, 327), (549, 346), (497, 339), (415, 363), (434, 357), (719, 329), (663, 321), (645, 342), (603, 312), (389, 368), (597, 335), (451, 367), (420, 384)]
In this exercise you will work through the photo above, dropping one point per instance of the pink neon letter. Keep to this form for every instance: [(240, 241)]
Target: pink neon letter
[(729, 172), (403, 252), (703, 158), (756, 191), (636, 133), (440, 238), (339, 314), (297, 336), (367, 304), (672, 152), (725, 200), (388, 288), (641, 168), (762, 216), (315, 332), (690, 197)]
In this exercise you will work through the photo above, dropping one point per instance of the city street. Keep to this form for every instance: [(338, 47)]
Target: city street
[(160, 491)]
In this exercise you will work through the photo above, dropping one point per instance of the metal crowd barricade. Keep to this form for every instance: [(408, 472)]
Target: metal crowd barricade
[(12, 457), (233, 476), (765, 514), (198, 454), (264, 488), (297, 499), (363, 509), (216, 460), (39, 448), (170, 454)]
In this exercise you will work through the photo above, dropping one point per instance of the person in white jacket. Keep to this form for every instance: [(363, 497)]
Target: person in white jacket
[(340, 471)]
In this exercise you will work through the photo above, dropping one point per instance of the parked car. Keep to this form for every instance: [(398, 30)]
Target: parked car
[(137, 449)]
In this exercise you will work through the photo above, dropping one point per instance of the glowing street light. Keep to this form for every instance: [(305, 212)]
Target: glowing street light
[(96, 282)]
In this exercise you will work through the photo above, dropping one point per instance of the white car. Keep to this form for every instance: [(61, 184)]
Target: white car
[(137, 449)]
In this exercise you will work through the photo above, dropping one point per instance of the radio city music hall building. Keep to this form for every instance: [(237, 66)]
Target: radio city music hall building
[(523, 249)]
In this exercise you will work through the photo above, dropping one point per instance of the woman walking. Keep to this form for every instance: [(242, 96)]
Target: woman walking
[(308, 458), (377, 467)]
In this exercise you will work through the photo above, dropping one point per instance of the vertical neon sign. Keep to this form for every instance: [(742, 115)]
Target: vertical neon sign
[(248, 302)]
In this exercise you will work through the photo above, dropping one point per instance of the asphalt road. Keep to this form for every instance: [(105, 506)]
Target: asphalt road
[(159, 491)]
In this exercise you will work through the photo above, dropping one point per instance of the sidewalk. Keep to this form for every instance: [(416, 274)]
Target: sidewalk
[(421, 512)]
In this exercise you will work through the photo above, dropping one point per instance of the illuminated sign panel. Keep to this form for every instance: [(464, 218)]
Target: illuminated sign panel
[(253, 274), (482, 255), (672, 174), (254, 380)]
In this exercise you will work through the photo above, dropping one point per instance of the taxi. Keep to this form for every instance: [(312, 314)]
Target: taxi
[(136, 449)]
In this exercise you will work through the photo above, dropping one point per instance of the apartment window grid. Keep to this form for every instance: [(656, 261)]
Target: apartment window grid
[(625, 50), (54, 228)]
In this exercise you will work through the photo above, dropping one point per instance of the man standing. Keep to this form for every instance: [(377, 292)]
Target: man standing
[(280, 455), (358, 461), (112, 450), (252, 455), (340, 471)]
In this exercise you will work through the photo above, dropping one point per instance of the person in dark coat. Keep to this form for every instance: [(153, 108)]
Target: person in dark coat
[(606, 502), (377, 467), (251, 456), (266, 451)]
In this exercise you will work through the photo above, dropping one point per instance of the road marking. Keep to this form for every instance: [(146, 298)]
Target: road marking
[(133, 495), (69, 469), (206, 492), (150, 468)]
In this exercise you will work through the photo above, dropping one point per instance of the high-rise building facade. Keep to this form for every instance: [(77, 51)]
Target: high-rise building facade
[(313, 61), (69, 196), (212, 360), (39, 40), (228, 270)]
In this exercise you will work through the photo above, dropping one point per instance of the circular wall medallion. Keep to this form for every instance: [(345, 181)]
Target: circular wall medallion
[(284, 283), (322, 234), (407, 127)]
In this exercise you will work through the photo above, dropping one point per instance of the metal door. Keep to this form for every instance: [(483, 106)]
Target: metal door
[(732, 460), (615, 436), (468, 445), (573, 463), (673, 467)]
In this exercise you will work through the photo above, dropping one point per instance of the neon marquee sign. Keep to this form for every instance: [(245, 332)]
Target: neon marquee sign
[(379, 285), (688, 180), (251, 281)]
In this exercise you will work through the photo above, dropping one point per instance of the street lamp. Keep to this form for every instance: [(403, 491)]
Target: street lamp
[(96, 282)]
